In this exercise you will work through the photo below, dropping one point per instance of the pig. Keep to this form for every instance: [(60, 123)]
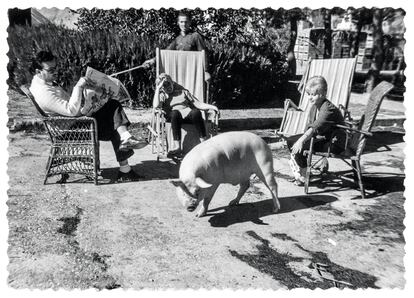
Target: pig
[(230, 157)]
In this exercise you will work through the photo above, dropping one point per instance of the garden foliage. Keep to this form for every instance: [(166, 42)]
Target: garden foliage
[(247, 50)]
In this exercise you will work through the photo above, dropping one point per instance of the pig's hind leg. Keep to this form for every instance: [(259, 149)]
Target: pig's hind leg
[(242, 190), (267, 177)]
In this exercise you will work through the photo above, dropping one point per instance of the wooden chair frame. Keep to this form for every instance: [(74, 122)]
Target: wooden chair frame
[(356, 138)]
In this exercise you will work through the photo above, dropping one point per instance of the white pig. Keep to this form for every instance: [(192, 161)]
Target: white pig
[(230, 157)]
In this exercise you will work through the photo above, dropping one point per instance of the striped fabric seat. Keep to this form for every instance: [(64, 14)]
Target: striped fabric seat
[(187, 68), (338, 73)]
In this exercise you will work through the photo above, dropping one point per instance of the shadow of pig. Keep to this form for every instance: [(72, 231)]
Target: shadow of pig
[(253, 212)]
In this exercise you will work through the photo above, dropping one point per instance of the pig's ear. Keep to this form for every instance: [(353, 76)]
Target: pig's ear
[(201, 183), (177, 183)]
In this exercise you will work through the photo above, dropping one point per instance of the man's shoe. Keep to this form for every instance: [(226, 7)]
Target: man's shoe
[(132, 143), (128, 177), (177, 153)]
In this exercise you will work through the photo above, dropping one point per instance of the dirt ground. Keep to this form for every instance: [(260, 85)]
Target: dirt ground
[(137, 235)]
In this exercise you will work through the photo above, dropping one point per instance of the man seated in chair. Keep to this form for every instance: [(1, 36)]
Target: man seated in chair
[(111, 118), (323, 128), (180, 106)]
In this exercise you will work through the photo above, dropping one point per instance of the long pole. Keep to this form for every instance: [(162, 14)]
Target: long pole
[(128, 70)]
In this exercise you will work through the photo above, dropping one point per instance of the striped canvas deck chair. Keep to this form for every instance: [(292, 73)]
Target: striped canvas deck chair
[(186, 68), (338, 73)]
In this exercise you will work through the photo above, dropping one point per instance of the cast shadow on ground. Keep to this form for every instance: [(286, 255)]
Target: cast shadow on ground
[(381, 140), (253, 212), (149, 169), (375, 184), (277, 264)]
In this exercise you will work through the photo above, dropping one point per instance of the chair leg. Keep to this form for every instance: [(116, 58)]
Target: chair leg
[(308, 172), (45, 180), (49, 164), (309, 166), (359, 173), (307, 179), (95, 173), (96, 162), (355, 171), (63, 178)]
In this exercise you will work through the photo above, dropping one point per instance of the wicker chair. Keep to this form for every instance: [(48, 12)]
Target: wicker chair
[(356, 138), (75, 145)]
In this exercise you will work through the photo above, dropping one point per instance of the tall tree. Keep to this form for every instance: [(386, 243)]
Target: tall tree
[(378, 51), (328, 32), (294, 15), (362, 16)]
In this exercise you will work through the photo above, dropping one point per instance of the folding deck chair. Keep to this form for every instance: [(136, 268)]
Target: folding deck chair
[(75, 145), (356, 138), (187, 69), (338, 73)]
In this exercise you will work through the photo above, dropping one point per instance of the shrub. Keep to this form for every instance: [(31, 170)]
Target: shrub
[(244, 75), (101, 50), (247, 67)]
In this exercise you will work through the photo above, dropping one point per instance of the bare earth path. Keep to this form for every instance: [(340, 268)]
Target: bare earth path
[(137, 235)]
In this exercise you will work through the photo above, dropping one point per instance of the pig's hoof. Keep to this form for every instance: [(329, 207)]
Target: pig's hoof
[(200, 214), (234, 203), (276, 209)]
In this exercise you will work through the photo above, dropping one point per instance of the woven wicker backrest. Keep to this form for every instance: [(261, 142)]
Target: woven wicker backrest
[(357, 144), (27, 92)]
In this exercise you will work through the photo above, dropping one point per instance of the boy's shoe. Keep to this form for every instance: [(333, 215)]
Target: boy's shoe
[(298, 173), (132, 143), (175, 153), (322, 165), (298, 182), (128, 177)]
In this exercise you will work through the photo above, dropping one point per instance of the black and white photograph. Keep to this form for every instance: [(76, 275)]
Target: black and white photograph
[(170, 146)]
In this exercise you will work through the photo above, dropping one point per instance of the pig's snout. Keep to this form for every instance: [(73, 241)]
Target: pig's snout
[(192, 205), (191, 208)]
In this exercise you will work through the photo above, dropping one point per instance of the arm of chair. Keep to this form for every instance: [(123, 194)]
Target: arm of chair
[(69, 119), (158, 111), (213, 116), (354, 130), (157, 120), (346, 113), (290, 104)]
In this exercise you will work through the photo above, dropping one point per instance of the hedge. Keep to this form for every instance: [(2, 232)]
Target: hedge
[(242, 73)]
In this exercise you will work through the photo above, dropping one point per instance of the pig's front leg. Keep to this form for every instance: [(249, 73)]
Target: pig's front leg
[(242, 190), (207, 196)]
